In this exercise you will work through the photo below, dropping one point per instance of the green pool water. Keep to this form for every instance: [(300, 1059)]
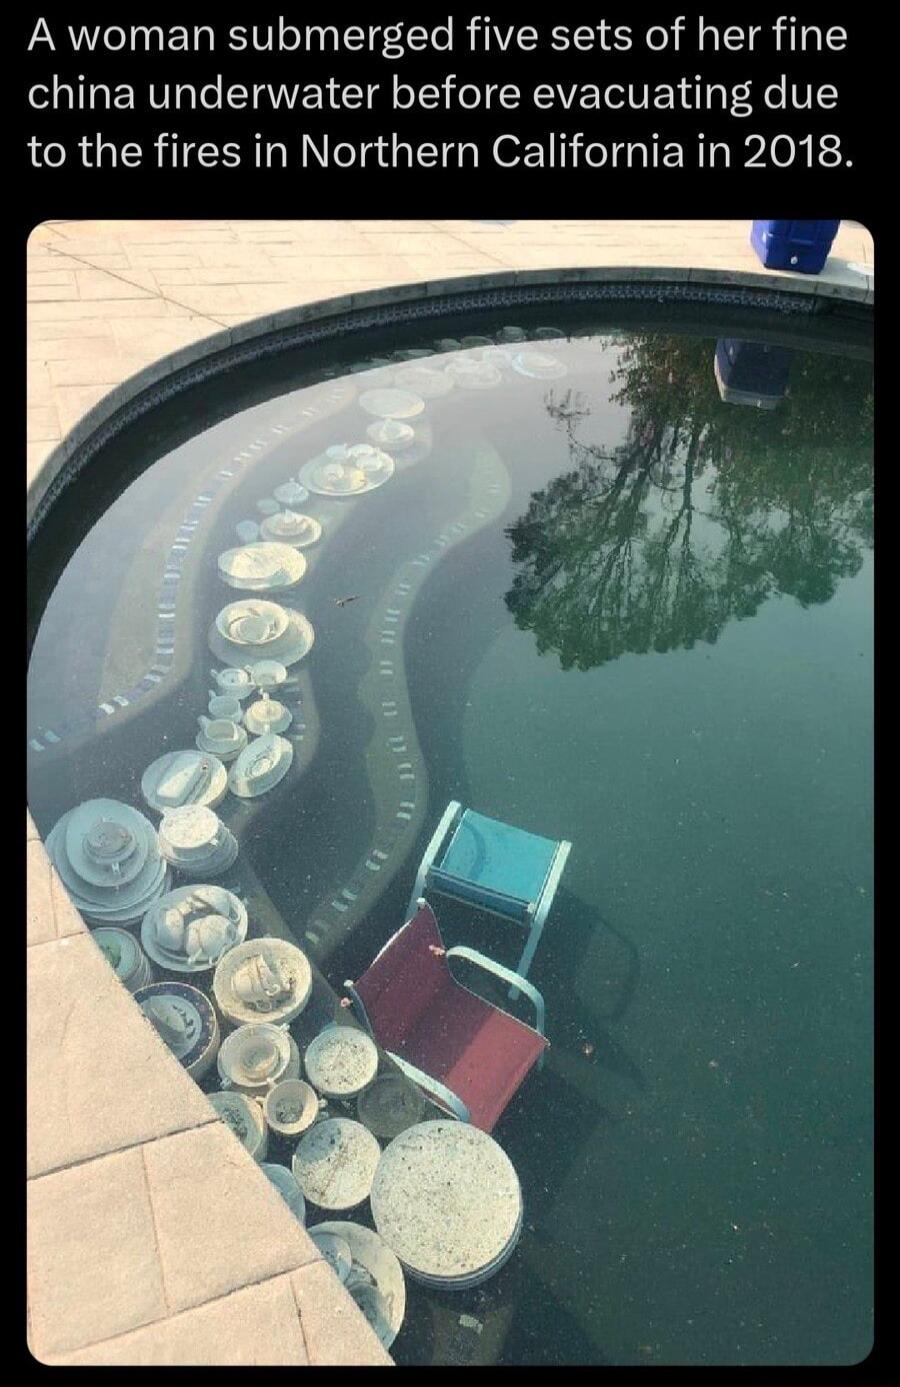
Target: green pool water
[(656, 642)]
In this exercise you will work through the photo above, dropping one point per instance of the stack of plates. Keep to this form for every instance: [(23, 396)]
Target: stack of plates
[(260, 766), (341, 1062), (245, 1118), (370, 1271), (266, 715), (446, 1198), (185, 1019), (348, 471), (184, 777), (291, 528), (263, 980), (125, 955), (335, 1163), (190, 929), (288, 1188), (391, 403), (221, 737), (233, 682), (258, 567), (109, 860), (195, 840), (257, 1055), (253, 629)]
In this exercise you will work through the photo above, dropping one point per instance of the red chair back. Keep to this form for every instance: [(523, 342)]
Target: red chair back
[(405, 980)]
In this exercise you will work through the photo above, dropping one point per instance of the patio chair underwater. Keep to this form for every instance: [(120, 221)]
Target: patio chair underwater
[(468, 1056), (494, 867)]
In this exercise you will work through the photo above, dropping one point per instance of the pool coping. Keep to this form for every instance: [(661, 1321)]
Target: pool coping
[(308, 1315)]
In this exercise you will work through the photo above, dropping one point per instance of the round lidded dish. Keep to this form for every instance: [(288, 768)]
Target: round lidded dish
[(265, 979), (256, 1056), (195, 841), (185, 1019), (245, 1118), (335, 1163)]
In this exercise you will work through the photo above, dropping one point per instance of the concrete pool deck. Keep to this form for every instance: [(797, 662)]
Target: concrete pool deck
[(192, 1256)]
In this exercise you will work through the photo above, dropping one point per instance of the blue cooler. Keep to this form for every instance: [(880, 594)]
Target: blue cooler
[(802, 246)]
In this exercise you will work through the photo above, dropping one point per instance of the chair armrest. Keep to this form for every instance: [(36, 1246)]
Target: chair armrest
[(433, 1087), (507, 975)]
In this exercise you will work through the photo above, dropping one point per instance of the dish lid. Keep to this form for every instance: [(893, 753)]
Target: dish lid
[(184, 777), (261, 765)]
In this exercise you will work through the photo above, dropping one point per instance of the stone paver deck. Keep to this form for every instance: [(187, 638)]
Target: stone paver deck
[(153, 1237)]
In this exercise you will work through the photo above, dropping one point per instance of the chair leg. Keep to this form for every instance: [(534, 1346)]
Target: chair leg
[(448, 819), (534, 938)]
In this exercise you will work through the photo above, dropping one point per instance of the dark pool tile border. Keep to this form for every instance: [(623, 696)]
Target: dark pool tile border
[(222, 349)]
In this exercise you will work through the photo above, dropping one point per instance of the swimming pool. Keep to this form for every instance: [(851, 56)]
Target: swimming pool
[(616, 589)]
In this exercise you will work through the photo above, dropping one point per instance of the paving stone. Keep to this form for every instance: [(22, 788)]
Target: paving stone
[(93, 1269), (255, 1327), (42, 423), (40, 926), (208, 1193), (98, 1077), (336, 1331)]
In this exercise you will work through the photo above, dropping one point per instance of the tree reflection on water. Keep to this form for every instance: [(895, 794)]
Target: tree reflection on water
[(703, 513)]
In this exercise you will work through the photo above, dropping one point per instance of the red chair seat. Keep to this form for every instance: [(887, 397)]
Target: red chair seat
[(482, 1054), (420, 1012)]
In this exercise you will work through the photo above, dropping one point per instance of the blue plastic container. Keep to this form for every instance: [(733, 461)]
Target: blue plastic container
[(802, 246)]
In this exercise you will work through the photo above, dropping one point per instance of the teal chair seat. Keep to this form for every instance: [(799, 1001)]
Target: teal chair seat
[(495, 867)]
